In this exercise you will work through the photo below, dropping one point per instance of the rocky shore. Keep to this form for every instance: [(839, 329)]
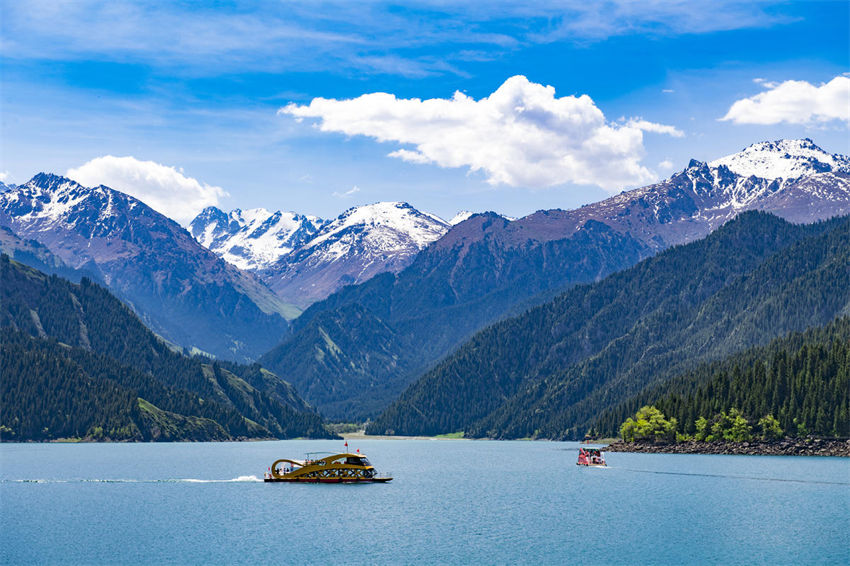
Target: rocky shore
[(784, 447)]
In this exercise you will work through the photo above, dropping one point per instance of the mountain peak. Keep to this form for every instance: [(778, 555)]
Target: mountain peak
[(253, 238), (51, 182), (412, 225), (360, 243), (460, 217), (785, 159)]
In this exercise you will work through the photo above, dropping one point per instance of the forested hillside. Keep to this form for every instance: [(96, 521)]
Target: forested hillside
[(549, 372), (181, 290), (75, 350), (358, 349), (802, 380)]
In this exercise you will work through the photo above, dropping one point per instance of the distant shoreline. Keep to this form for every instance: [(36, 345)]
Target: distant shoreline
[(361, 435), (784, 447)]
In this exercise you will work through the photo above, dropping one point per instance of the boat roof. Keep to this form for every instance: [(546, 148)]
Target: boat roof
[(332, 456), (311, 456)]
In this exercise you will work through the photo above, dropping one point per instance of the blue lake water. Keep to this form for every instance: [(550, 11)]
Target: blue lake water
[(451, 502)]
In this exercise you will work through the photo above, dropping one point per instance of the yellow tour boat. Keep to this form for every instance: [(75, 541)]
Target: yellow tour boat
[(333, 468)]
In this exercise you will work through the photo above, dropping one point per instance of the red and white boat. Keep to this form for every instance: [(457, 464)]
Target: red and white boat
[(591, 457)]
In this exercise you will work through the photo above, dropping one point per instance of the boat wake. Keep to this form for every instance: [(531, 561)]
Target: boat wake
[(730, 476), (240, 479)]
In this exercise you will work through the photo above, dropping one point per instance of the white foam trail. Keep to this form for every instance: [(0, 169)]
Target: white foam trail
[(240, 479)]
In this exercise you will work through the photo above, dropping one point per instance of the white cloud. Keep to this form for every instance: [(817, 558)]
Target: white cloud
[(520, 135), (666, 165), (163, 188), (209, 38), (348, 193), (4, 176), (656, 128), (794, 102), (765, 83)]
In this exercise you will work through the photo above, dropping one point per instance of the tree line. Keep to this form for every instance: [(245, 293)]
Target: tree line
[(798, 385)]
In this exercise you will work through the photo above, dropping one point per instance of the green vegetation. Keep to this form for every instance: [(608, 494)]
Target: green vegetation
[(344, 428), (770, 429), (796, 385), (649, 424), (77, 363), (550, 372), (352, 354), (458, 434), (803, 378)]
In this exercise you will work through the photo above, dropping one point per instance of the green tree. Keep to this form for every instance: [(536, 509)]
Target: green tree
[(649, 424), (770, 429), (702, 429), (739, 428)]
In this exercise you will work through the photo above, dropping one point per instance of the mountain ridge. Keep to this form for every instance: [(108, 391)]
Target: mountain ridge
[(304, 258), (487, 266), (149, 261), (94, 340), (542, 373)]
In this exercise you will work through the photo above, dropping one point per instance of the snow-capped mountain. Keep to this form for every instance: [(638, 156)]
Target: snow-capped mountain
[(182, 290), (460, 217), (700, 198), (783, 159), (253, 239), (362, 242), (364, 344)]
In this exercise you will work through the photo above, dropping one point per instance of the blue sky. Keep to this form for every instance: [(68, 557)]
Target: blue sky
[(215, 101)]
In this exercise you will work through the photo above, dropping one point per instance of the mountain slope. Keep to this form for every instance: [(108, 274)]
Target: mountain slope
[(487, 267), (181, 290), (253, 239), (34, 254), (421, 313), (783, 159), (802, 379), (304, 258), (702, 197), (548, 372), (92, 337), (361, 243)]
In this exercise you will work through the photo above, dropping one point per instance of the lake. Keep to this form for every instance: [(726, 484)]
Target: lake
[(451, 502)]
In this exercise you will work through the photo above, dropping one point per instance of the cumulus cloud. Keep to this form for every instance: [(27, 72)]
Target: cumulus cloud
[(163, 188), (4, 176), (665, 165), (520, 135), (794, 102)]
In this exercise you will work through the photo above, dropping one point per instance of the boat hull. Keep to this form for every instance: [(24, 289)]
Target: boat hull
[(327, 480)]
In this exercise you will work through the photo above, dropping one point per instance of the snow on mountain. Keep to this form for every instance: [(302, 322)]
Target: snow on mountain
[(304, 258), (384, 227), (783, 159), (362, 242), (253, 239), (183, 291), (794, 179), (460, 217)]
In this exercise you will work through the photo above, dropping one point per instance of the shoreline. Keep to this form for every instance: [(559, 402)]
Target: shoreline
[(784, 447), (361, 435)]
